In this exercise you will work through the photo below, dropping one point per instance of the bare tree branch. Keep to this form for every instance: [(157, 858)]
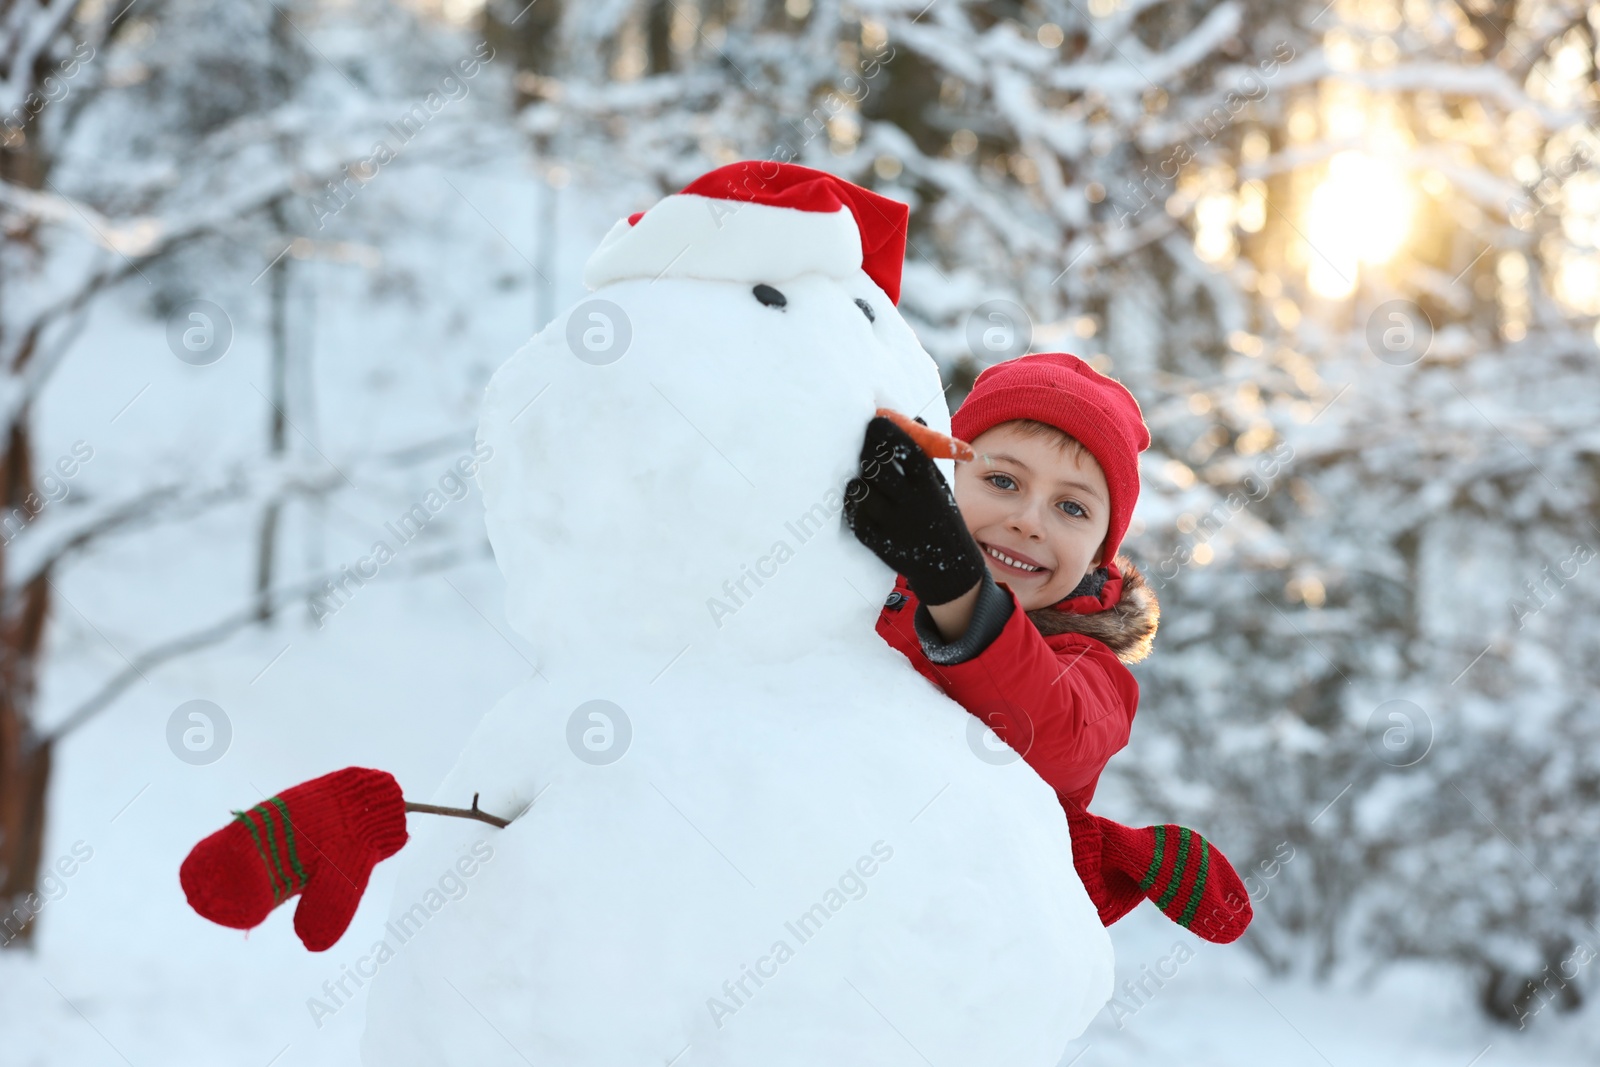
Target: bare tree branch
[(215, 633), (41, 547)]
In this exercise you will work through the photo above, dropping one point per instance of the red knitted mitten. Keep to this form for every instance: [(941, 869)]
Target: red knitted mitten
[(1189, 879), (322, 837)]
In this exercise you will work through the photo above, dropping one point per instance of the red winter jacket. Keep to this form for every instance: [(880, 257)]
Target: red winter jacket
[(1052, 683)]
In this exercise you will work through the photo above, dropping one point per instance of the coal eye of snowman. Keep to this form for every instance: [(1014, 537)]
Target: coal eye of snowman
[(866, 309), (770, 296)]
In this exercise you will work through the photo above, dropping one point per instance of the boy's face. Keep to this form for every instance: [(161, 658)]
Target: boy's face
[(1042, 507)]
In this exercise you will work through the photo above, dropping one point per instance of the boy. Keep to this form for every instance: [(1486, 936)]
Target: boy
[(1041, 658)]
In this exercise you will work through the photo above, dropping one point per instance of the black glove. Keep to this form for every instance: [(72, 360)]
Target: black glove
[(902, 509)]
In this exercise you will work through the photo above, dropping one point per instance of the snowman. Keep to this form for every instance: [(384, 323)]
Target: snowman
[(746, 830)]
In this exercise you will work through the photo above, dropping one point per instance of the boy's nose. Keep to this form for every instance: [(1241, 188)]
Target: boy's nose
[(1027, 521)]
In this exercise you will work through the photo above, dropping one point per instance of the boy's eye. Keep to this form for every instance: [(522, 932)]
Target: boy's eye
[(1005, 481)]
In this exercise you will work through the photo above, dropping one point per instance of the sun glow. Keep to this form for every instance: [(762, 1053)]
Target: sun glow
[(1360, 214)]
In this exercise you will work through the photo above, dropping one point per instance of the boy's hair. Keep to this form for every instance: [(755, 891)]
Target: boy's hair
[(1065, 443)]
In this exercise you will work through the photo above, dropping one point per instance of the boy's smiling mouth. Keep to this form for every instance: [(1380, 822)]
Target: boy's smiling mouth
[(1014, 561)]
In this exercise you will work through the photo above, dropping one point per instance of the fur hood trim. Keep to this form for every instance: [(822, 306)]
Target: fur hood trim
[(1128, 627)]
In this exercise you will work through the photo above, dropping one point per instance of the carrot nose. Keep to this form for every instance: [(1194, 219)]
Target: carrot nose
[(934, 443)]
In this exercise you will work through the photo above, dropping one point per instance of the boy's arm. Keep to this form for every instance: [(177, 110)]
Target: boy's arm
[(966, 626), (952, 619), (1067, 713)]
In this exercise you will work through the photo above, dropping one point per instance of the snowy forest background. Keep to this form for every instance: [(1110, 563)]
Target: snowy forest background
[(1347, 257)]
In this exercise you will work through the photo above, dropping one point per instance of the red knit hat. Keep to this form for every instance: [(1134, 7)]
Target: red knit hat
[(1065, 392)]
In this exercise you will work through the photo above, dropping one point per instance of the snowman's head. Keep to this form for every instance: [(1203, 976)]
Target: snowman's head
[(670, 455)]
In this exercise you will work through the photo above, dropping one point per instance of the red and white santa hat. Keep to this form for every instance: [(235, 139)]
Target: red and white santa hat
[(759, 221)]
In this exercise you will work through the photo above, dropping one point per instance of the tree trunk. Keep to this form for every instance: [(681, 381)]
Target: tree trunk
[(24, 755), (24, 780)]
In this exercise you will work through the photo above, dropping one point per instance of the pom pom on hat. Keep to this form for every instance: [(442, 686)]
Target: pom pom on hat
[(1063, 391)]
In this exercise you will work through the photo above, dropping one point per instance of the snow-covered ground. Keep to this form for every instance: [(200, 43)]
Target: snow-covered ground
[(1221, 1009)]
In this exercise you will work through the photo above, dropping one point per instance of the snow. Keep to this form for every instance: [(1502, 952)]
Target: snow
[(1220, 1008)]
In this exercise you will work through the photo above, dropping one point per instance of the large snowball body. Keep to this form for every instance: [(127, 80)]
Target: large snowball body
[(757, 836)]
